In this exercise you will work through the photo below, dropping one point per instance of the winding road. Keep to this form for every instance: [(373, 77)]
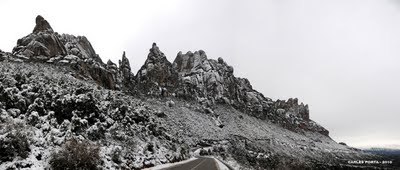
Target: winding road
[(202, 163)]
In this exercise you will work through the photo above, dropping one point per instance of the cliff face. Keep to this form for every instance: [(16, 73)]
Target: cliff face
[(204, 89)]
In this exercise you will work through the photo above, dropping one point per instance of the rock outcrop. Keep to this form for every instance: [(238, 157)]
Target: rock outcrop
[(156, 76), (42, 43), (80, 46), (294, 116), (212, 81), (42, 25), (125, 70), (191, 76)]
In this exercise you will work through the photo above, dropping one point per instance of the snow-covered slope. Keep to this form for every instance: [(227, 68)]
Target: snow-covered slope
[(61, 106)]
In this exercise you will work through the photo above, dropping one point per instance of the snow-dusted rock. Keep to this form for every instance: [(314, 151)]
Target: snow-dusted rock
[(42, 25), (156, 76)]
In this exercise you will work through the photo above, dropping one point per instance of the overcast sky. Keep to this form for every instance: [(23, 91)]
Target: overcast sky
[(341, 57)]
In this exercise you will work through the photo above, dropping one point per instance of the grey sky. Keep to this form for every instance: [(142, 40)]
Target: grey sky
[(341, 57)]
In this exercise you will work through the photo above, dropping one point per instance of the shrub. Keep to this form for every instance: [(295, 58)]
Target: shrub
[(96, 132), (76, 155), (116, 155), (14, 143), (203, 152)]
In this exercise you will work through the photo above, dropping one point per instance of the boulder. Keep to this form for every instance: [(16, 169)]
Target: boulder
[(170, 103)]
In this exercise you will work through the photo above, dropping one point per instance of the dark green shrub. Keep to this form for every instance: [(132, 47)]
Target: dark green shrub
[(14, 143), (116, 155), (76, 155)]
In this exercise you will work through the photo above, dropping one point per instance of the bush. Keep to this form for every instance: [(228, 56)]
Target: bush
[(76, 155), (116, 155), (204, 152), (14, 143), (96, 132)]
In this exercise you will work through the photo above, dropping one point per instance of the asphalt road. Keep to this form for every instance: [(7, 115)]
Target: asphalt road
[(202, 163)]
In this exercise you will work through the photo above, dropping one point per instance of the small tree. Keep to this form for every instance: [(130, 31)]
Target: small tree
[(76, 155), (13, 142)]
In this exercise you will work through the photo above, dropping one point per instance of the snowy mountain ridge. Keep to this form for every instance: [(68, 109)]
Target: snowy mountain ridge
[(59, 101), (190, 76)]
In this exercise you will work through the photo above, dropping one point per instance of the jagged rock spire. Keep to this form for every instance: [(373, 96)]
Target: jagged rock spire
[(155, 52), (157, 70), (42, 25), (125, 69), (125, 62)]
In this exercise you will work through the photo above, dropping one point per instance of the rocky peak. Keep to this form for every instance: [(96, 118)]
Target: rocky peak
[(42, 25), (202, 77), (41, 44), (156, 73), (111, 65), (155, 51), (124, 63), (125, 70), (45, 45), (191, 62)]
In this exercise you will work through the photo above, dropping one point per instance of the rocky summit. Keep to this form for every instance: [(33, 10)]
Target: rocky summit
[(62, 107)]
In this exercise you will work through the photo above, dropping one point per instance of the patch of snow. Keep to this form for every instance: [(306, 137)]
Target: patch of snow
[(220, 165), (64, 61), (71, 57)]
